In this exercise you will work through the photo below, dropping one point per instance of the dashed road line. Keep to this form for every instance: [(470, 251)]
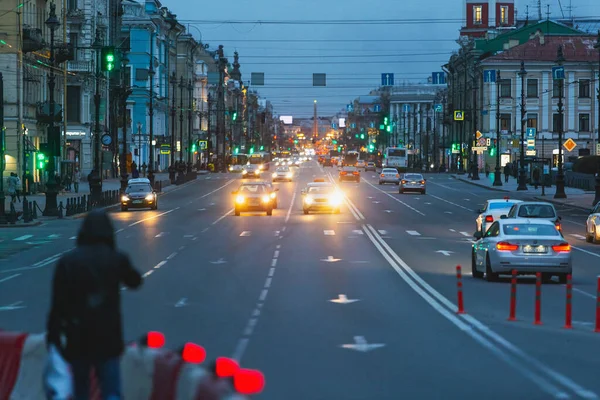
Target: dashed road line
[(467, 234), (273, 262), (245, 233), (21, 238), (413, 233), (449, 202), (276, 254), (9, 278), (263, 295), (170, 256), (329, 233), (268, 282), (272, 271)]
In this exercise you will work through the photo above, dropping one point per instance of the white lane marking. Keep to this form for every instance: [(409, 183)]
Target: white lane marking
[(245, 233), (276, 233), (119, 230), (188, 236), (586, 251), (395, 199), (153, 217), (289, 211), (427, 204), (73, 237), (447, 212), (160, 235), (222, 217), (273, 262), (268, 282), (276, 254), (172, 255), (329, 233), (263, 295), (343, 299), (9, 277), (428, 293), (203, 230), (449, 202), (413, 233), (160, 264), (53, 236), (13, 306), (250, 327), (466, 199), (181, 303), (381, 232), (214, 191), (278, 246), (358, 232), (40, 264), (271, 271), (240, 349), (591, 296), (578, 236), (360, 344), (345, 222), (283, 229), (452, 230), (21, 238), (465, 234), (147, 273), (256, 312)]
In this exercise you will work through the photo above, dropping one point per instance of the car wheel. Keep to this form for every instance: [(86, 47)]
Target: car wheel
[(588, 237), (490, 276), (237, 212), (594, 236), (476, 274), (401, 191), (381, 183), (270, 212), (155, 206), (397, 183), (546, 277), (123, 208)]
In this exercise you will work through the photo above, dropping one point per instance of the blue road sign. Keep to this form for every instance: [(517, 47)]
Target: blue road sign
[(333, 126), (558, 72), (438, 78), (387, 79), (438, 108), (489, 75), (349, 107), (371, 124), (377, 108), (406, 108), (531, 133), (353, 125)]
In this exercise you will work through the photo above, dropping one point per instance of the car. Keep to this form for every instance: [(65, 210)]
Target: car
[(139, 194), (361, 164), (236, 168), (321, 196), (413, 183), (251, 172), (535, 209), (492, 211), (525, 245), (273, 195), (327, 162), (253, 196), (349, 174), (389, 175), (283, 174), (371, 166), (592, 225)]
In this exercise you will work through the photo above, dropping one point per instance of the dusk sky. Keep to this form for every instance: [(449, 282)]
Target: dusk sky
[(289, 46)]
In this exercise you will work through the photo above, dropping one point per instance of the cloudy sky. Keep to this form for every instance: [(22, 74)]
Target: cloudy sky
[(285, 40)]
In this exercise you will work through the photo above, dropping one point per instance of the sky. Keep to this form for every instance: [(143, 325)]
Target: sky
[(419, 39)]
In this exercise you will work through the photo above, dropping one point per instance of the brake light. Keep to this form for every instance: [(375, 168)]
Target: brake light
[(343, 173), (355, 173), (383, 175), (558, 226), (562, 248), (505, 246), (489, 218)]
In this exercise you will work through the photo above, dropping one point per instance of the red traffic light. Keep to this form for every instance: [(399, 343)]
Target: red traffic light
[(155, 340), (193, 353), (249, 381), (226, 367)]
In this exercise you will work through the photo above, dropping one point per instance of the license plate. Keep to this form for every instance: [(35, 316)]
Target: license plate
[(137, 201), (413, 183), (535, 249)]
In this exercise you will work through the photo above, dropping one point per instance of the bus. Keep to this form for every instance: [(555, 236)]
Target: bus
[(351, 158), (396, 157), (261, 159)]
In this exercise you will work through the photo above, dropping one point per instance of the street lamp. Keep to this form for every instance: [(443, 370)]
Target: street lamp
[(173, 82), (139, 131), (497, 177), (151, 110), (475, 168), (124, 94), (51, 209), (190, 156), (522, 176), (180, 175), (597, 196), (560, 178), (95, 180)]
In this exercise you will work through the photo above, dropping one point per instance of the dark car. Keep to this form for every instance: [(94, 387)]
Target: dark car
[(139, 194), (327, 162), (349, 174), (371, 167), (254, 196)]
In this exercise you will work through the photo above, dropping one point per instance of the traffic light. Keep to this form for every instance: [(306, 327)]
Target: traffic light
[(236, 150), (234, 116), (108, 58), (262, 148), (252, 150), (362, 135), (456, 147), (296, 141), (371, 148), (194, 148), (41, 159), (386, 121), (492, 151), (334, 141), (356, 136)]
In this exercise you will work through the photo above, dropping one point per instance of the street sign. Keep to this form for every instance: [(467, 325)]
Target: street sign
[(569, 144), (165, 149), (387, 79), (257, 79), (515, 143), (482, 141), (532, 153), (489, 75), (479, 149), (530, 144), (203, 144), (438, 108), (406, 108), (478, 135), (377, 108), (459, 116), (598, 149), (350, 108), (438, 78), (531, 133), (558, 72), (319, 80)]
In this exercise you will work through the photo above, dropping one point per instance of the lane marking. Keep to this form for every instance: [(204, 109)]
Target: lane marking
[(395, 199), (413, 233), (250, 327), (381, 232), (329, 233), (358, 232), (283, 229), (276, 254), (268, 282), (591, 296), (222, 217), (273, 262), (170, 256), (263, 295), (272, 271), (9, 278), (289, 211), (147, 274), (73, 237), (449, 202), (160, 264), (240, 349), (578, 236), (256, 312), (160, 235), (245, 233), (153, 217), (452, 230), (21, 238), (586, 251), (278, 246), (466, 234)]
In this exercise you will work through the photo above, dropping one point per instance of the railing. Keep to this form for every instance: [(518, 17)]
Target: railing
[(577, 180)]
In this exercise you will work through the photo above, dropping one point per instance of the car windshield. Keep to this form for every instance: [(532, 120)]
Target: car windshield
[(349, 169), (252, 189), (389, 171), (536, 211), (283, 169), (138, 187), (371, 163), (500, 206), (320, 189), (413, 177), (530, 230)]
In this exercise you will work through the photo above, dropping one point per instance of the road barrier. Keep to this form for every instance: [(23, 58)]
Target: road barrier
[(513, 296), (538, 299), (148, 370), (81, 204), (597, 328), (568, 310), (459, 286)]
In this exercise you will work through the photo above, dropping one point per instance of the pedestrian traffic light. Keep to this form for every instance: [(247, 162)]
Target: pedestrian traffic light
[(371, 148), (42, 160), (262, 148), (236, 150), (234, 116), (386, 121), (252, 150), (362, 135), (492, 151), (356, 136), (108, 58), (194, 148)]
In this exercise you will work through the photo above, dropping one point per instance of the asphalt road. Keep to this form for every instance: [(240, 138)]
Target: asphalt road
[(260, 289)]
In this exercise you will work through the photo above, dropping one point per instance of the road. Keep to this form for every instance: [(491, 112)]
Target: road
[(358, 305)]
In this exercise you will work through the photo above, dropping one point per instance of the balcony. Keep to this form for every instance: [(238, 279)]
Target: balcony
[(79, 66), (76, 15)]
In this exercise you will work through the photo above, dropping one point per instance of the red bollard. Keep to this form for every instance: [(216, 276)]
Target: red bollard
[(598, 306), (568, 314), (461, 306), (513, 296), (538, 299)]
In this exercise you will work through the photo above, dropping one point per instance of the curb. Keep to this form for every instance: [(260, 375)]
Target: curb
[(24, 225), (558, 203), (480, 185)]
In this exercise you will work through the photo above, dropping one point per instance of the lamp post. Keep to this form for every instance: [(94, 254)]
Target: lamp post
[(597, 196), (560, 178), (151, 110), (2, 150), (475, 161), (51, 209), (124, 94), (190, 127), (180, 176), (173, 82), (522, 176), (497, 177), (95, 180), (139, 134)]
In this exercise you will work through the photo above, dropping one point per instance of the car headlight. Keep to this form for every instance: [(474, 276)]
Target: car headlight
[(273, 195), (308, 200), (150, 197), (231, 168), (244, 172), (266, 199), (336, 198), (124, 198), (240, 199), (290, 175), (274, 175)]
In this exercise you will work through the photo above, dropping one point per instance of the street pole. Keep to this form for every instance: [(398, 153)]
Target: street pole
[(475, 168), (597, 196), (181, 87), (124, 94), (560, 178), (151, 109), (139, 127), (543, 164), (2, 150), (190, 127), (209, 141), (51, 209), (522, 176), (497, 177), (95, 177), (173, 82)]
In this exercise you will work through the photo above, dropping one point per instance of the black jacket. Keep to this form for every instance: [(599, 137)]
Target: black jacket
[(86, 301)]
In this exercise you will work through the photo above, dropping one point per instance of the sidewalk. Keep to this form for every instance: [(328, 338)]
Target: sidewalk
[(576, 198)]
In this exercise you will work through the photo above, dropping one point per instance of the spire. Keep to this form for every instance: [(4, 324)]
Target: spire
[(236, 73)]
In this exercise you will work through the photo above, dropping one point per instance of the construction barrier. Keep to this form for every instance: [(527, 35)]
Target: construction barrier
[(513, 297), (568, 310), (459, 287), (148, 371), (538, 299)]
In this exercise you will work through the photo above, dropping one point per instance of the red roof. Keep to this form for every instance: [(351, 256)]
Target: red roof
[(575, 49)]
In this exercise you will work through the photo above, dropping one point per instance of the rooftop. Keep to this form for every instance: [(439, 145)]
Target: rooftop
[(544, 49)]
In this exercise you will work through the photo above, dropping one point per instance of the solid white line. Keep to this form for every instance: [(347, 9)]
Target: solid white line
[(578, 236), (24, 237), (449, 202), (394, 198), (171, 255), (268, 282), (222, 217), (153, 217), (591, 296), (289, 211), (272, 271), (240, 349), (263, 295), (214, 191), (9, 277), (276, 254), (586, 251), (160, 264), (148, 273), (273, 262), (452, 230)]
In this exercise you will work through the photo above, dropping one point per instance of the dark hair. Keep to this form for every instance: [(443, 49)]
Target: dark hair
[(96, 229)]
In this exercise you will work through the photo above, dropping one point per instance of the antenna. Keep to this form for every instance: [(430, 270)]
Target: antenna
[(539, 7), (561, 9), (527, 14), (547, 12)]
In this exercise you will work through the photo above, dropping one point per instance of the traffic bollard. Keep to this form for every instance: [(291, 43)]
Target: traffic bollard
[(568, 311), (513, 296), (538, 299), (461, 306), (597, 306)]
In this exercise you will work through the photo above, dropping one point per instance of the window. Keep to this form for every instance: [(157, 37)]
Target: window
[(532, 88), (73, 103), (128, 75), (530, 230), (72, 5), (584, 88), (478, 14), (532, 120), (494, 230), (505, 122), (556, 84), (536, 211), (556, 122), (74, 43), (584, 122), (504, 15), (505, 88)]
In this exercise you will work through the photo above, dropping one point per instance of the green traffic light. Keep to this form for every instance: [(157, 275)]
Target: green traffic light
[(251, 150), (362, 135), (40, 156), (388, 128), (262, 148), (385, 121), (234, 117), (236, 150)]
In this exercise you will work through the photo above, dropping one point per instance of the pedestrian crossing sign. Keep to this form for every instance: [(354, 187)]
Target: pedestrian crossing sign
[(459, 115)]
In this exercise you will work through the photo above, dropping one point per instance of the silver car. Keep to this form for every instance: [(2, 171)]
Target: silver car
[(526, 245), (413, 183), (535, 209), (283, 174), (389, 175), (592, 225)]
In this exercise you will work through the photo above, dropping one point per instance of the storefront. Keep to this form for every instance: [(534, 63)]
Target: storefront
[(78, 151)]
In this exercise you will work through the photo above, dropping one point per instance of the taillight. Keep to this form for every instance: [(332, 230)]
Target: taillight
[(403, 182), (383, 175), (489, 218), (355, 172), (422, 182), (562, 248), (505, 246), (343, 173)]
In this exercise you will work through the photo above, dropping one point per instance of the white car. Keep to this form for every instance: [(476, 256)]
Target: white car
[(389, 175), (283, 174), (592, 225), (492, 211)]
